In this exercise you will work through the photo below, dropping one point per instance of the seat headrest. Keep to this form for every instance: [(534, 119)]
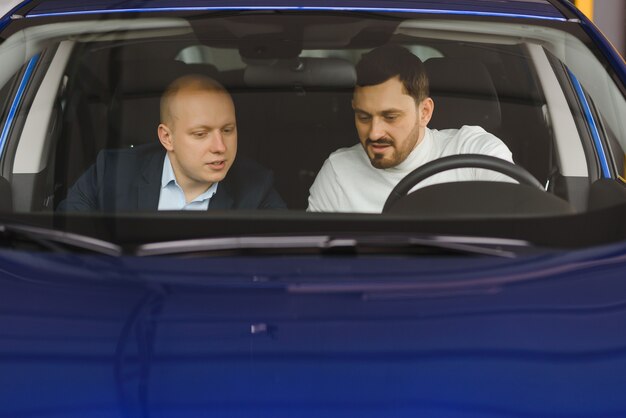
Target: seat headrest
[(301, 72), (464, 94)]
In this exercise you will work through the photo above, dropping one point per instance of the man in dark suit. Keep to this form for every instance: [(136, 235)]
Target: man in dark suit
[(193, 168)]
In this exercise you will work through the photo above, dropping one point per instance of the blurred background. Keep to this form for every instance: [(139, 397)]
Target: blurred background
[(610, 17)]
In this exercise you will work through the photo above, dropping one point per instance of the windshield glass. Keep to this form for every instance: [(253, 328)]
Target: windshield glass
[(240, 117)]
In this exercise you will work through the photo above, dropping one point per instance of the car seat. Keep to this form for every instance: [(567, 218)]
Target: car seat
[(465, 93), (297, 111)]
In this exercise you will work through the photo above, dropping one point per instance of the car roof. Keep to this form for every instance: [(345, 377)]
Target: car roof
[(543, 9)]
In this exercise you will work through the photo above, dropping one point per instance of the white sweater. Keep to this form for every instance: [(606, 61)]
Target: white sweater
[(348, 182)]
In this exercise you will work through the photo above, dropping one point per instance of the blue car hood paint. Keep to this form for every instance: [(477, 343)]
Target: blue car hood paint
[(540, 8), (119, 337)]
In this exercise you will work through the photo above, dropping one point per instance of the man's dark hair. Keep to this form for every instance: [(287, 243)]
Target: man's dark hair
[(386, 62)]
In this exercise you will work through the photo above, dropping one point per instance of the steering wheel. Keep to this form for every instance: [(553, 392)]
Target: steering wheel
[(488, 162)]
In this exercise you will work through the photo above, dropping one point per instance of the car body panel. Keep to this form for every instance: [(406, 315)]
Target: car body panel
[(17, 100), (539, 8), (228, 336)]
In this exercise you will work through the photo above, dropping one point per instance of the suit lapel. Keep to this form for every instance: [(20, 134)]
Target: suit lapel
[(223, 198), (149, 185)]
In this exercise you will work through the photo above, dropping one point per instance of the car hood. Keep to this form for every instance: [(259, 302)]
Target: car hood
[(313, 336)]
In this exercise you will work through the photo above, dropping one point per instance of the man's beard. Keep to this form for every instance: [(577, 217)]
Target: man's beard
[(397, 156), (378, 161)]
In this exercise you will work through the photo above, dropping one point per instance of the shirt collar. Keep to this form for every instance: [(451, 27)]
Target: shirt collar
[(167, 176), (168, 179)]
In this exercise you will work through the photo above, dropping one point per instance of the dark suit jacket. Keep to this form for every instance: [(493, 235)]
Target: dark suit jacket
[(129, 180)]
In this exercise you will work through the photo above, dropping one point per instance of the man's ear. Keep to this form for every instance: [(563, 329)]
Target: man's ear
[(426, 109), (165, 137)]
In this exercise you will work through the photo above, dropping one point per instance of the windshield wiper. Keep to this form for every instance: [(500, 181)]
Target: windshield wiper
[(323, 244), (56, 241), (61, 241)]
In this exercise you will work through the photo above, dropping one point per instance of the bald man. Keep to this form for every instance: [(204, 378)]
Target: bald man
[(194, 168)]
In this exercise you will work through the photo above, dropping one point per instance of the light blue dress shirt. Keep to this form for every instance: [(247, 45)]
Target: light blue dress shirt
[(172, 196)]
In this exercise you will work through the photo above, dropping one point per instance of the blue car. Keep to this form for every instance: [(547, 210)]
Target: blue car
[(238, 208)]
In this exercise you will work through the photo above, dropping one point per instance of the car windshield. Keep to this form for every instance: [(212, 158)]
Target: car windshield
[(144, 127)]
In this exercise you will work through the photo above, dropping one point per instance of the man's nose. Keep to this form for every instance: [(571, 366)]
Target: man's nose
[(216, 143), (377, 129)]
